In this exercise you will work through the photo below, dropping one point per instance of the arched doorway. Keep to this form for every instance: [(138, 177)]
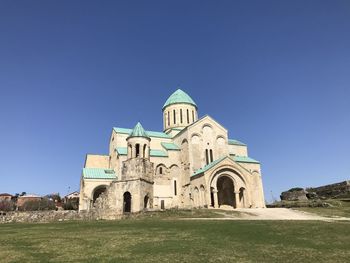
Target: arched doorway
[(97, 192), (212, 201), (226, 191), (127, 202), (145, 201), (242, 198)]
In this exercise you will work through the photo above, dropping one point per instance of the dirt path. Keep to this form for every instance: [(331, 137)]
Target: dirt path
[(270, 214)]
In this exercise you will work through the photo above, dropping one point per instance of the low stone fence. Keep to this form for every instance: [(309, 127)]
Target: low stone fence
[(44, 216)]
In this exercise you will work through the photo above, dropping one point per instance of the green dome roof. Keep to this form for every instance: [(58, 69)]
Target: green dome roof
[(179, 96), (138, 131)]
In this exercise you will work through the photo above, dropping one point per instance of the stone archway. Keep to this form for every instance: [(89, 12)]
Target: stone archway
[(98, 191), (226, 191), (127, 202), (228, 186)]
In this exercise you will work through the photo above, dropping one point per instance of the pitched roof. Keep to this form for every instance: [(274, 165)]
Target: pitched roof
[(170, 146), (179, 96), (149, 133), (235, 142), (244, 159), (5, 194), (153, 152), (239, 159), (138, 131), (208, 166), (99, 173)]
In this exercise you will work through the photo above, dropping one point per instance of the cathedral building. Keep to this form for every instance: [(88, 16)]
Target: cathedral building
[(193, 163)]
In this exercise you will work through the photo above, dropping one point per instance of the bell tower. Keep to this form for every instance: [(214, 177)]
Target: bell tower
[(138, 143)]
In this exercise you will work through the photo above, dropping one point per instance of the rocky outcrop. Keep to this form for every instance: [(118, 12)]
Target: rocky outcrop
[(330, 191), (296, 194), (337, 190)]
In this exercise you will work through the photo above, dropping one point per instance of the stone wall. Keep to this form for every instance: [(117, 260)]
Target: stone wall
[(44, 216)]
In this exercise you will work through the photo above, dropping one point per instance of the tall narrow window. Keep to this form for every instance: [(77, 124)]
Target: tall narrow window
[(181, 116), (188, 117), (137, 150), (175, 188), (168, 118), (211, 156), (206, 156), (160, 170), (192, 116), (144, 151), (174, 116)]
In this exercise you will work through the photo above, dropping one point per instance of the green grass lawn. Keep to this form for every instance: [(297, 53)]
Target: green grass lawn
[(173, 240), (337, 208)]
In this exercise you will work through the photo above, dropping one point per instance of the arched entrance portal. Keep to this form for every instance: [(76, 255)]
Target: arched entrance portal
[(127, 202), (98, 191), (226, 191)]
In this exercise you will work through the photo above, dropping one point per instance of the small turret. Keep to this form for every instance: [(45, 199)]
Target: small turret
[(138, 143)]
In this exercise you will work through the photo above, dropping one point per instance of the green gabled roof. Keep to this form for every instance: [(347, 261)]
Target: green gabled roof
[(170, 146), (235, 142), (149, 133), (138, 131), (239, 159), (208, 166), (244, 159), (177, 97), (99, 173), (122, 150), (153, 152), (158, 153)]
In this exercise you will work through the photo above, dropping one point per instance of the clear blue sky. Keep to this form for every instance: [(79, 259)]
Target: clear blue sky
[(276, 74)]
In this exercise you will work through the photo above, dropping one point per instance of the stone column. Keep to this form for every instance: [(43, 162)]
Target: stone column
[(238, 203), (216, 201)]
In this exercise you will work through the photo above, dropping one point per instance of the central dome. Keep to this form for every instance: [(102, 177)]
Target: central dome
[(179, 97)]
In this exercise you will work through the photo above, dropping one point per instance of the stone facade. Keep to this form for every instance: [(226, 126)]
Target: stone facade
[(192, 163)]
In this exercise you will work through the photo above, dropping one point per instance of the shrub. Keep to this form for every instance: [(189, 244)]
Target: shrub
[(36, 205), (71, 204), (7, 205)]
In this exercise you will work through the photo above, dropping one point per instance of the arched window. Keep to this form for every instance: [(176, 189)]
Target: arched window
[(192, 116), (164, 119), (206, 156), (168, 118), (175, 188), (188, 117), (137, 150), (181, 116), (174, 116), (211, 156), (144, 150), (160, 170), (130, 151)]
